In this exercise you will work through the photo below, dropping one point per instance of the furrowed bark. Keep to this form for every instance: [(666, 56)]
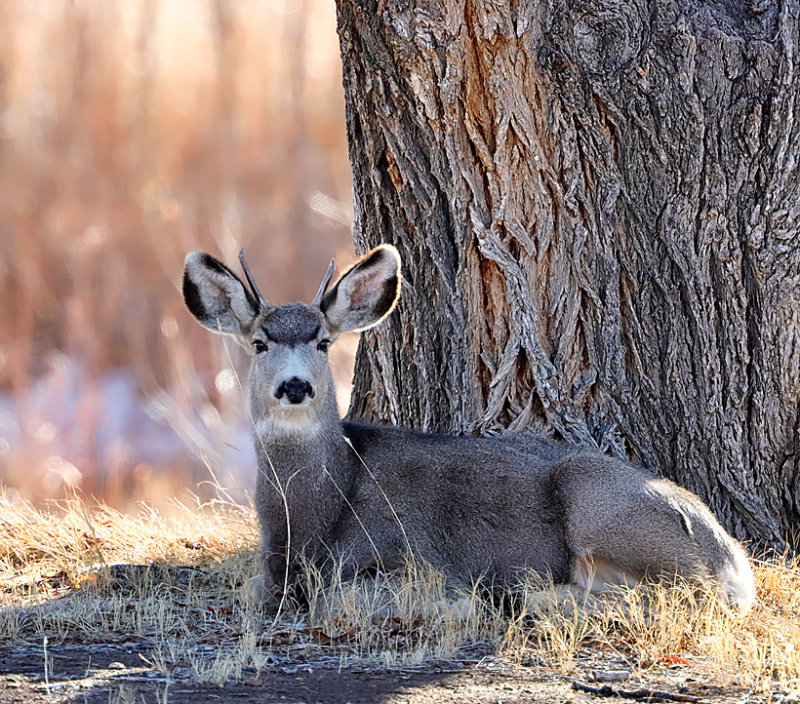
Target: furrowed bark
[(597, 207)]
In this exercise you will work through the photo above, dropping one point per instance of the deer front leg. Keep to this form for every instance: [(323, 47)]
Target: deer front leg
[(267, 587)]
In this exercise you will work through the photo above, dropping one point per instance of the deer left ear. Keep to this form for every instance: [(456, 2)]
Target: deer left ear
[(216, 296), (366, 293)]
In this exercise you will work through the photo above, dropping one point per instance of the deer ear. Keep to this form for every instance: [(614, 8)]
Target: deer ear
[(366, 293), (216, 296)]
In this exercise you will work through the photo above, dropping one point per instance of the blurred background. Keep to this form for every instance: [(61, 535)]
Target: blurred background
[(133, 131)]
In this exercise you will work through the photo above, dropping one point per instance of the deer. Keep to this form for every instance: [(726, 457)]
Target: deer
[(498, 507)]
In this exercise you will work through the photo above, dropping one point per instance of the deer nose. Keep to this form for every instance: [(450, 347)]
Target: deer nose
[(295, 390)]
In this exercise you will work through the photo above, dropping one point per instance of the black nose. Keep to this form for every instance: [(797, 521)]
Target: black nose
[(295, 389)]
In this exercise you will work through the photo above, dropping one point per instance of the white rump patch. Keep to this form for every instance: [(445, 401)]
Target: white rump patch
[(738, 582)]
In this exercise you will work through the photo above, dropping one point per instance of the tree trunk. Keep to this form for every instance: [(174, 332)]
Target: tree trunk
[(596, 203)]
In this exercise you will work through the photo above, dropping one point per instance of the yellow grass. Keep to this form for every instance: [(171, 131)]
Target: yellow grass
[(175, 588)]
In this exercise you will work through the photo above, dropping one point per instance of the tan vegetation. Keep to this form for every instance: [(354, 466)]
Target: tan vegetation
[(174, 588), (131, 133)]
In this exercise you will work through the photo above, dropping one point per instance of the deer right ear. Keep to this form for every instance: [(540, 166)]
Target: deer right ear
[(216, 296), (366, 293)]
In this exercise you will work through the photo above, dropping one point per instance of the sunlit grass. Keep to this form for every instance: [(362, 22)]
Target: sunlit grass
[(176, 588)]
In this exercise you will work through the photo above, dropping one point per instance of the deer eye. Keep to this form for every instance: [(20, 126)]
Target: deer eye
[(323, 345), (259, 346)]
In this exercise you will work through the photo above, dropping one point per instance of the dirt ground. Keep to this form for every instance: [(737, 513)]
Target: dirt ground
[(95, 673)]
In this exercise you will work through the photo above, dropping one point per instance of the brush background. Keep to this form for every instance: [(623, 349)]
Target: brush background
[(130, 133)]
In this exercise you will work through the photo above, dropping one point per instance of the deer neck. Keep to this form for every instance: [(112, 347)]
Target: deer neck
[(308, 474)]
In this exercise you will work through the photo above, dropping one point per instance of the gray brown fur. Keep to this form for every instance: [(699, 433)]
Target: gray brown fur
[(473, 507)]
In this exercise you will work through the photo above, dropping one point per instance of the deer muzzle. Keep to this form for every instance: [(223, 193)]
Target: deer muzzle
[(295, 390)]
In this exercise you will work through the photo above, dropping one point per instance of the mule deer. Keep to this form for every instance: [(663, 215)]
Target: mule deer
[(473, 507)]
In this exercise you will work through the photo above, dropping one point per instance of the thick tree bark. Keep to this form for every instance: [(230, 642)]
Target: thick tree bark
[(596, 203)]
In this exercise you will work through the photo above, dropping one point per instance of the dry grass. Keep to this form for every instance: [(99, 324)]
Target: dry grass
[(676, 625), (174, 589)]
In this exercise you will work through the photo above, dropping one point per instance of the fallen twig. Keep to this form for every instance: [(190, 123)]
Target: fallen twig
[(650, 695)]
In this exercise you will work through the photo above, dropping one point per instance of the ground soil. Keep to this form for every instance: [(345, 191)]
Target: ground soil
[(95, 673)]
